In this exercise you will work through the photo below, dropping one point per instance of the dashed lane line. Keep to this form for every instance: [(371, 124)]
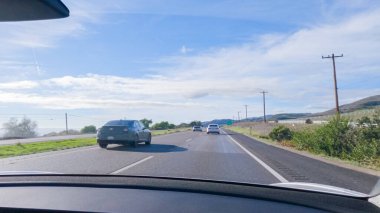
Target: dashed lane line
[(131, 165)]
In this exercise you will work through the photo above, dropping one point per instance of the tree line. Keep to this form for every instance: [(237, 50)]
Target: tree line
[(166, 125), (26, 128)]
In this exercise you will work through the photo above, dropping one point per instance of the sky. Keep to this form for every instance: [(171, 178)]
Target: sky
[(176, 61)]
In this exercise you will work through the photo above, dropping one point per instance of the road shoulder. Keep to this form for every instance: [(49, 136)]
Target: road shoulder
[(329, 160)]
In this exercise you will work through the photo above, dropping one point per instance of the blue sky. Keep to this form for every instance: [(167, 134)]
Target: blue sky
[(182, 61)]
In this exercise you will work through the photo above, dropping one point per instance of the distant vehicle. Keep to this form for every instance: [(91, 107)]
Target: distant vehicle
[(123, 132), (197, 128), (213, 128)]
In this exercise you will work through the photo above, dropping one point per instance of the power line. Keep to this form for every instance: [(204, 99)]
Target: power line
[(263, 92), (335, 81)]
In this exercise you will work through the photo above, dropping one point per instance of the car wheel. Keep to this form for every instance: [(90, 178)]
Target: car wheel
[(103, 145), (149, 141), (135, 142)]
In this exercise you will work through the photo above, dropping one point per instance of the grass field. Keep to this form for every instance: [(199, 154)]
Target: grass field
[(357, 114), (263, 129), (39, 147)]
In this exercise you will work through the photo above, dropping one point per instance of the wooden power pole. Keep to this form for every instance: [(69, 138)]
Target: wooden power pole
[(335, 81)]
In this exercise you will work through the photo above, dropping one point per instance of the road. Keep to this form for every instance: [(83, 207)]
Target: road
[(42, 139), (228, 156)]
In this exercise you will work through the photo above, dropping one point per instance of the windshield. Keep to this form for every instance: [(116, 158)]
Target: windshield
[(289, 89), (120, 123)]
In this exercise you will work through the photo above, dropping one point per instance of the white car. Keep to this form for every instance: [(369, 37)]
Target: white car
[(197, 128), (213, 128)]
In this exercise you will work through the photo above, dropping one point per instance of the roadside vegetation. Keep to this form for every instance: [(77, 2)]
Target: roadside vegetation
[(343, 138), (25, 128), (337, 138), (165, 125), (38, 147), (91, 129)]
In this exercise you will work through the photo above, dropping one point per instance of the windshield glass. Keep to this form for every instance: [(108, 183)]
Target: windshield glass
[(289, 89), (120, 123)]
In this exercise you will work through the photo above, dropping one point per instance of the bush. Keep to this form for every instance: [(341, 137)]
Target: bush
[(339, 139), (264, 137), (163, 125), (280, 133), (146, 122), (309, 121), (305, 140), (88, 129), (26, 128)]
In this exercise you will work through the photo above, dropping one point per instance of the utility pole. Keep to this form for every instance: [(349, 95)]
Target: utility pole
[(335, 82), (238, 115), (263, 92), (67, 129), (246, 113)]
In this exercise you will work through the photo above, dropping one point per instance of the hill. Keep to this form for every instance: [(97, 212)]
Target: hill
[(362, 104), (365, 103)]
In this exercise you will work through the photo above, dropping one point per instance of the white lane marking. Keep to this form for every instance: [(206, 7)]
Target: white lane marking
[(262, 163), (188, 140), (131, 165)]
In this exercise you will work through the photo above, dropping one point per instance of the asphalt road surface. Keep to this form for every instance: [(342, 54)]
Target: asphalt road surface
[(228, 156), (43, 139)]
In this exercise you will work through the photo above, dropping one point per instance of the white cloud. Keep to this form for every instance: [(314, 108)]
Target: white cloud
[(288, 65), (19, 85), (100, 91), (74, 101), (185, 49), (294, 60), (18, 40)]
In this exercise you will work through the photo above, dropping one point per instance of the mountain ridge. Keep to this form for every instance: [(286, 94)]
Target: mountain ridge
[(364, 103)]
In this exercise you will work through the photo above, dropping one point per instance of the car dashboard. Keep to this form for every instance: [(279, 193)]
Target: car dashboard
[(105, 193)]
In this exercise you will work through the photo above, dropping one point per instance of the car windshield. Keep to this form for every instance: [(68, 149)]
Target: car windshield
[(120, 123), (264, 92)]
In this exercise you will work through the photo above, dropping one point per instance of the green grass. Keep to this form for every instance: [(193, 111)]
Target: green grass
[(245, 131), (38, 147)]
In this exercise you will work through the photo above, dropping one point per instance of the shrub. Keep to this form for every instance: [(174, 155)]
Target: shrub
[(264, 137), (306, 140), (309, 121), (26, 128), (364, 152), (163, 125), (88, 129), (280, 133), (339, 139)]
